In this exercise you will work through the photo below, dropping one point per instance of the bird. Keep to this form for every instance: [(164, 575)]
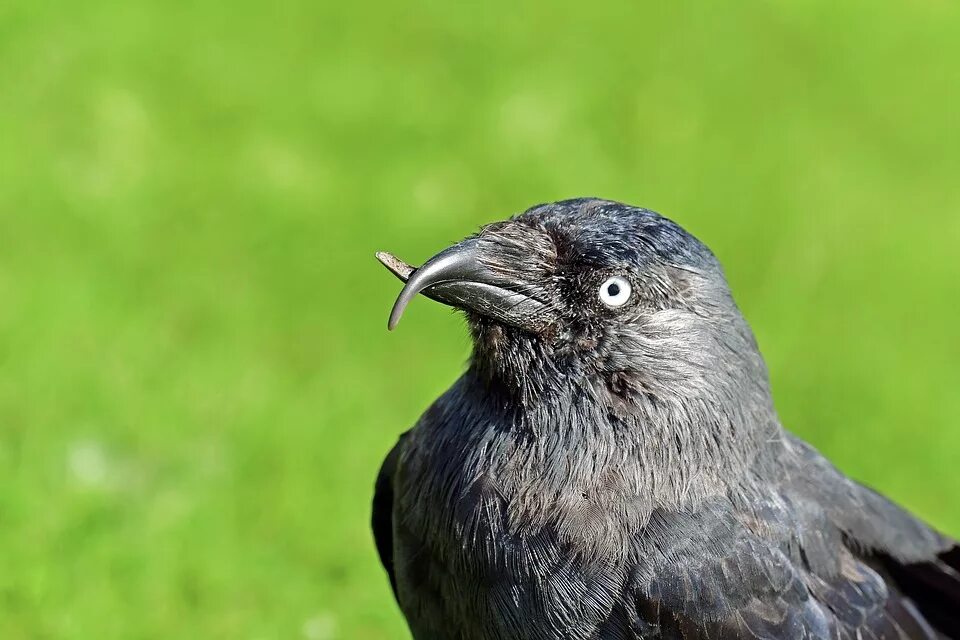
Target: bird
[(611, 465)]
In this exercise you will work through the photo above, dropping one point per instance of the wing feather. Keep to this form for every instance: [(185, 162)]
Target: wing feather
[(381, 519), (710, 575)]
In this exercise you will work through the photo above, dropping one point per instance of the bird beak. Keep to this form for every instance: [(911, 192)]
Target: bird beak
[(458, 277)]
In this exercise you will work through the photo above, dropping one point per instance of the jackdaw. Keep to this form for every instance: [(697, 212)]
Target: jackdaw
[(611, 465)]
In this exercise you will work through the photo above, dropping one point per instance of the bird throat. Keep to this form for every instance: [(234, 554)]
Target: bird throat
[(514, 364)]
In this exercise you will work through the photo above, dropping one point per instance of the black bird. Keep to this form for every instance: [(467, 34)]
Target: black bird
[(611, 465)]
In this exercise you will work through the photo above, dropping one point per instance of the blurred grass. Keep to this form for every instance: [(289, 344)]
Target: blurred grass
[(196, 384)]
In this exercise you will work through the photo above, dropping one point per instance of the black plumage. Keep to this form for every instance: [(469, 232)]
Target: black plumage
[(611, 465)]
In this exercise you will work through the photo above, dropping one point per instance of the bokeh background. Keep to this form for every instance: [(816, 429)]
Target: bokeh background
[(196, 381)]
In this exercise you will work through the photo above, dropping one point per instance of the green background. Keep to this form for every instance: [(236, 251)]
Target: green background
[(196, 381)]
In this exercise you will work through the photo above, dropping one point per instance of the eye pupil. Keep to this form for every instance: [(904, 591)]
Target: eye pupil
[(613, 289)]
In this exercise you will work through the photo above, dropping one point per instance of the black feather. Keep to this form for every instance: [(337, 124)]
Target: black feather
[(382, 514), (934, 587)]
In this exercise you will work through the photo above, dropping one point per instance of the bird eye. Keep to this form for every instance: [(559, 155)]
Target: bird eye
[(615, 291)]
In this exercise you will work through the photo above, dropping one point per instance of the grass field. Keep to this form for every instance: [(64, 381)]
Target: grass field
[(196, 381)]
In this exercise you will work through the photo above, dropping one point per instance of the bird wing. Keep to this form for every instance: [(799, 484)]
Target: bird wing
[(920, 563), (723, 574), (933, 585), (382, 517)]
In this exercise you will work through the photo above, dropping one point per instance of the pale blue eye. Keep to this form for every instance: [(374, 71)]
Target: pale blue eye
[(615, 291)]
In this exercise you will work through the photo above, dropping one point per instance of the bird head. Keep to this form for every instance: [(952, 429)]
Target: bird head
[(599, 295)]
